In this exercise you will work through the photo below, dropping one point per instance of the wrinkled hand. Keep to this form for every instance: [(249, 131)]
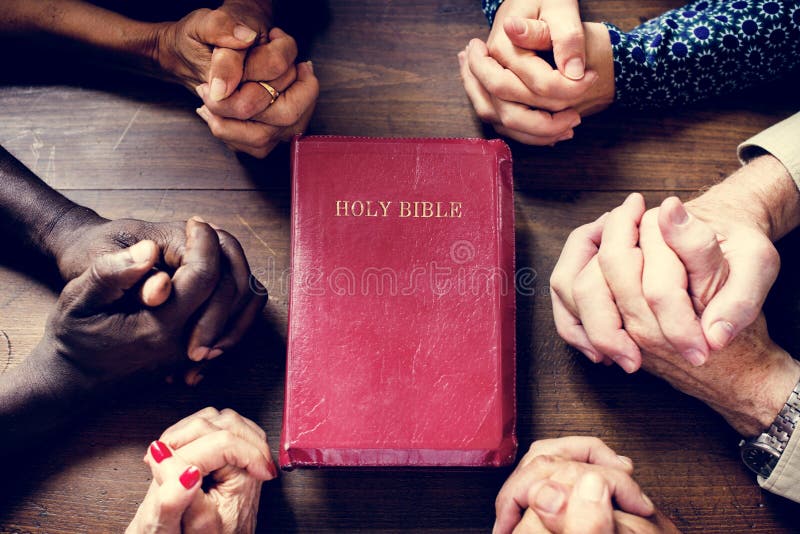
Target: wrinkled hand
[(638, 298), (228, 449), (220, 55), (515, 89), (566, 485), (633, 277), (228, 297), (205, 45), (248, 121)]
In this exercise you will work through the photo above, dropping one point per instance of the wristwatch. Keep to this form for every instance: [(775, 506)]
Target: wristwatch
[(761, 453)]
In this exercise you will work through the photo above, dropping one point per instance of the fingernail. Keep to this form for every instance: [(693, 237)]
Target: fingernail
[(695, 357), (721, 333), (310, 66), (159, 451), (199, 90), (141, 251), (679, 215), (494, 527), (591, 487), (549, 499), (518, 25), (198, 219), (214, 353), (648, 502), (575, 123), (574, 68), (190, 477), (625, 460), (569, 135), (203, 112), (626, 363), (217, 89), (243, 33), (199, 354)]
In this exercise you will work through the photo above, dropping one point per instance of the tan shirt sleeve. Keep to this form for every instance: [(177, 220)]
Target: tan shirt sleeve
[(782, 141), (785, 479)]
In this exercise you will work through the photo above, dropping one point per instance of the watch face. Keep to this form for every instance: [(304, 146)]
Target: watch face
[(760, 458)]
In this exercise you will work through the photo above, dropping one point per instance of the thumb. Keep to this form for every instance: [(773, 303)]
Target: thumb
[(110, 276), (217, 28), (530, 34), (589, 510), (696, 245), (728, 290)]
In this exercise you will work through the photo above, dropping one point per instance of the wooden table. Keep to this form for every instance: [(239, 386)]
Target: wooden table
[(134, 148)]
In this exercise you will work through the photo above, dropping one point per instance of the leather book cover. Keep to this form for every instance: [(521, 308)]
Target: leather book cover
[(401, 308)]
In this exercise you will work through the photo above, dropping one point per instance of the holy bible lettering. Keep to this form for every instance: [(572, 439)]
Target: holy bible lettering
[(403, 209)]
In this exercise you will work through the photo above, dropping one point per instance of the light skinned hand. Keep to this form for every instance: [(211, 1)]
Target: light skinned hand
[(511, 118), (228, 449), (564, 461), (684, 267), (746, 382), (563, 19)]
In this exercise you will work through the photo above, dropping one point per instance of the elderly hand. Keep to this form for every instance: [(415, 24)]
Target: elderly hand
[(249, 121), (226, 448), (709, 270), (221, 279), (566, 485), (516, 90), (220, 55), (653, 274), (611, 309)]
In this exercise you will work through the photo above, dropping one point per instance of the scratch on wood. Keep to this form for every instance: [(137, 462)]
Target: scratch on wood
[(10, 351), (128, 127), (247, 225)]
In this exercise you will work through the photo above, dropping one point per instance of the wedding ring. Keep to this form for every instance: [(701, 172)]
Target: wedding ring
[(274, 93)]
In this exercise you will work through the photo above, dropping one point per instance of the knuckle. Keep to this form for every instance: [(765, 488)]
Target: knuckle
[(506, 116), (226, 438), (217, 17), (543, 461)]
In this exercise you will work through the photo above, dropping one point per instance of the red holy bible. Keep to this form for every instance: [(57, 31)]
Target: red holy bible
[(401, 312)]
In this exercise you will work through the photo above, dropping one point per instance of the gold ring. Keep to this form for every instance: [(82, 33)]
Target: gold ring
[(274, 93)]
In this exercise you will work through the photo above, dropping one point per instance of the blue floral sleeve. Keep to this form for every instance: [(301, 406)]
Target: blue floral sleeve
[(704, 49), (490, 9)]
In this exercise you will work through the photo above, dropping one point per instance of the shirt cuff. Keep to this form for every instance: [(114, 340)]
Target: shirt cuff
[(782, 141), (785, 478)]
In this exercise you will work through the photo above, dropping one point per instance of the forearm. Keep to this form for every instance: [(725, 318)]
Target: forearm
[(34, 215), (762, 191), (133, 43), (37, 397), (702, 50)]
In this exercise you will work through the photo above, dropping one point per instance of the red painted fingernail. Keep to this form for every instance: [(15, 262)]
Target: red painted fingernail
[(190, 477), (159, 451)]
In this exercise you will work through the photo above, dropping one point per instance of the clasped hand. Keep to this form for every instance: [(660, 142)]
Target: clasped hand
[(513, 87), (220, 55)]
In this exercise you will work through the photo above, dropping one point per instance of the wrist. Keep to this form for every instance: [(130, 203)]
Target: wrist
[(600, 58), (66, 228), (763, 396), (762, 194)]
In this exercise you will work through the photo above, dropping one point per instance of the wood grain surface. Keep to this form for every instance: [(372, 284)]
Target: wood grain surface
[(130, 147)]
